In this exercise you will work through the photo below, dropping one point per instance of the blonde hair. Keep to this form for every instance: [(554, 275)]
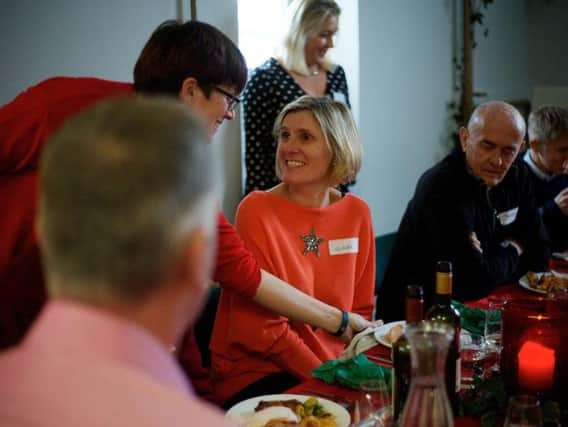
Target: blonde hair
[(339, 130), (305, 18)]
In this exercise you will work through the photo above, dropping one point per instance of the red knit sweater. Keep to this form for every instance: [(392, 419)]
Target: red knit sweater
[(250, 342)]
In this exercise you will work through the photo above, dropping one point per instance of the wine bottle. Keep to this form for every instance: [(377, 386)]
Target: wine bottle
[(443, 311), (400, 352)]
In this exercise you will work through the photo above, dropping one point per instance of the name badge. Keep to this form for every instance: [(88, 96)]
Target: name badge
[(344, 246), (339, 96), (508, 217)]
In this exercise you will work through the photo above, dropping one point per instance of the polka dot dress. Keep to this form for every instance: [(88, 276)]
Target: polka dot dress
[(269, 89)]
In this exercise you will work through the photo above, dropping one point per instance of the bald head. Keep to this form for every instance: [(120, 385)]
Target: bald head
[(492, 140), (497, 113)]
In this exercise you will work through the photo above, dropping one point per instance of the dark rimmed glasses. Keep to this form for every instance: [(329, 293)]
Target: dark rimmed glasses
[(232, 100)]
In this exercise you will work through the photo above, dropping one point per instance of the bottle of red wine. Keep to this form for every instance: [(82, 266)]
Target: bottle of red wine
[(414, 303), (442, 311)]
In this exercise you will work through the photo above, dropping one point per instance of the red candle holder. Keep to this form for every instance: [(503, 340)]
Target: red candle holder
[(535, 347)]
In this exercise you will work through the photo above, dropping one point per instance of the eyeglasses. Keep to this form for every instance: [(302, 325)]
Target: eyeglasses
[(232, 100)]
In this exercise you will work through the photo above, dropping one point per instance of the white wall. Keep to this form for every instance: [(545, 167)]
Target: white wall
[(501, 62), (547, 41), (346, 51), (223, 15), (40, 39), (405, 80)]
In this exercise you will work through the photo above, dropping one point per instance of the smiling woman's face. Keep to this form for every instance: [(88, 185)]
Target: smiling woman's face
[(318, 43), (303, 155)]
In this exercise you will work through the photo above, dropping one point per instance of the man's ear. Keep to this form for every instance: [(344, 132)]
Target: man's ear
[(195, 261), (464, 134), (188, 90)]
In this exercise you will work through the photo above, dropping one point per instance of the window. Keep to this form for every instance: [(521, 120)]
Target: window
[(260, 28)]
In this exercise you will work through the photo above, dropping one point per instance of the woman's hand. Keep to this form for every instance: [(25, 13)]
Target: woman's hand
[(357, 323)]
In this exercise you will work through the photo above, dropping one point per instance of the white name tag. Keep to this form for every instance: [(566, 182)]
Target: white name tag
[(344, 246), (508, 217), (339, 96)]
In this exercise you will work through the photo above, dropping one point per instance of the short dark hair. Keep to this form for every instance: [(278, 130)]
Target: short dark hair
[(176, 51), (121, 186)]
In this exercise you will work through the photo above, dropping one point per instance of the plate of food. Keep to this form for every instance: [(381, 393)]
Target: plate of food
[(389, 332), (288, 409), (543, 282)]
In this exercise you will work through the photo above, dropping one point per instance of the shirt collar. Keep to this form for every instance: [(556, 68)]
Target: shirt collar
[(536, 170)]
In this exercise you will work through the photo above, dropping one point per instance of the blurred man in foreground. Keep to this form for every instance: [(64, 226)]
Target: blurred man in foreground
[(126, 228), (547, 158), (476, 209)]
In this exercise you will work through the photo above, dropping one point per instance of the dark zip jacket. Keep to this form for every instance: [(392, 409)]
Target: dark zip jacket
[(448, 205)]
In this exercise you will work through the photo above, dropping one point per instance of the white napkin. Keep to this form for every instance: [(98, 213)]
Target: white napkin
[(360, 343)]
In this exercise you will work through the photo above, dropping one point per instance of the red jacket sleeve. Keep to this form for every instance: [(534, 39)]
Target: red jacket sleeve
[(236, 268), (35, 114)]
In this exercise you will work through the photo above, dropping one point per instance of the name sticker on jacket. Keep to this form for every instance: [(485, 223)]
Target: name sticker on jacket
[(338, 96), (344, 246), (508, 217)]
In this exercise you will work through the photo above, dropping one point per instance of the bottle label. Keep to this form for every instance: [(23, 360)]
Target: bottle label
[(443, 283)]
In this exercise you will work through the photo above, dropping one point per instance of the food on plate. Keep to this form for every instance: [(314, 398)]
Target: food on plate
[(279, 413), (273, 416), (290, 403), (547, 281), (394, 333)]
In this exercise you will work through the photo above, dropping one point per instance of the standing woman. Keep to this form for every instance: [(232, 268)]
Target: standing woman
[(301, 67)]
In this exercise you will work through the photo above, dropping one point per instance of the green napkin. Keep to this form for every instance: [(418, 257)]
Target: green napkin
[(473, 319), (351, 372)]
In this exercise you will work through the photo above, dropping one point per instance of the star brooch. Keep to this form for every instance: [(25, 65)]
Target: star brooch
[(312, 242)]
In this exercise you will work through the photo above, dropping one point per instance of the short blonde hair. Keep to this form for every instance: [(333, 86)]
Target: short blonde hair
[(339, 130), (305, 17)]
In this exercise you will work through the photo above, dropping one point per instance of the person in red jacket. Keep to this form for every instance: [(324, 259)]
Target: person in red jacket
[(201, 66)]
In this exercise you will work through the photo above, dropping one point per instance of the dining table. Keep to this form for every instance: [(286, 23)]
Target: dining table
[(382, 355)]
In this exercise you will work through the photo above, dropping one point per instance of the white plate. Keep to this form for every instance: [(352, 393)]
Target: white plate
[(560, 255), (244, 410), (383, 330), (524, 282)]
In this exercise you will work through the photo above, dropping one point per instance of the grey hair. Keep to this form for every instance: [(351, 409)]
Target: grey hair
[(305, 17), (122, 186), (547, 123), (339, 130)]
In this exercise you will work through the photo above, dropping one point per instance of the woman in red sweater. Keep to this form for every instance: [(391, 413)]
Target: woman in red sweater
[(305, 231)]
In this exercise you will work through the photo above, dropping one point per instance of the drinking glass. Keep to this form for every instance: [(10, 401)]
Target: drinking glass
[(492, 330), (374, 403), (524, 411), (473, 354)]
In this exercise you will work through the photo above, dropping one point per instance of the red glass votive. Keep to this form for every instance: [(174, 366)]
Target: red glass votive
[(535, 346)]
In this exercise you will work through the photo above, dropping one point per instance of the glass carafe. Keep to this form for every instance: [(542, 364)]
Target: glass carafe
[(427, 404)]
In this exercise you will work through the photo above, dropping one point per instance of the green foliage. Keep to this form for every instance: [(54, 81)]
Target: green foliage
[(488, 399)]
